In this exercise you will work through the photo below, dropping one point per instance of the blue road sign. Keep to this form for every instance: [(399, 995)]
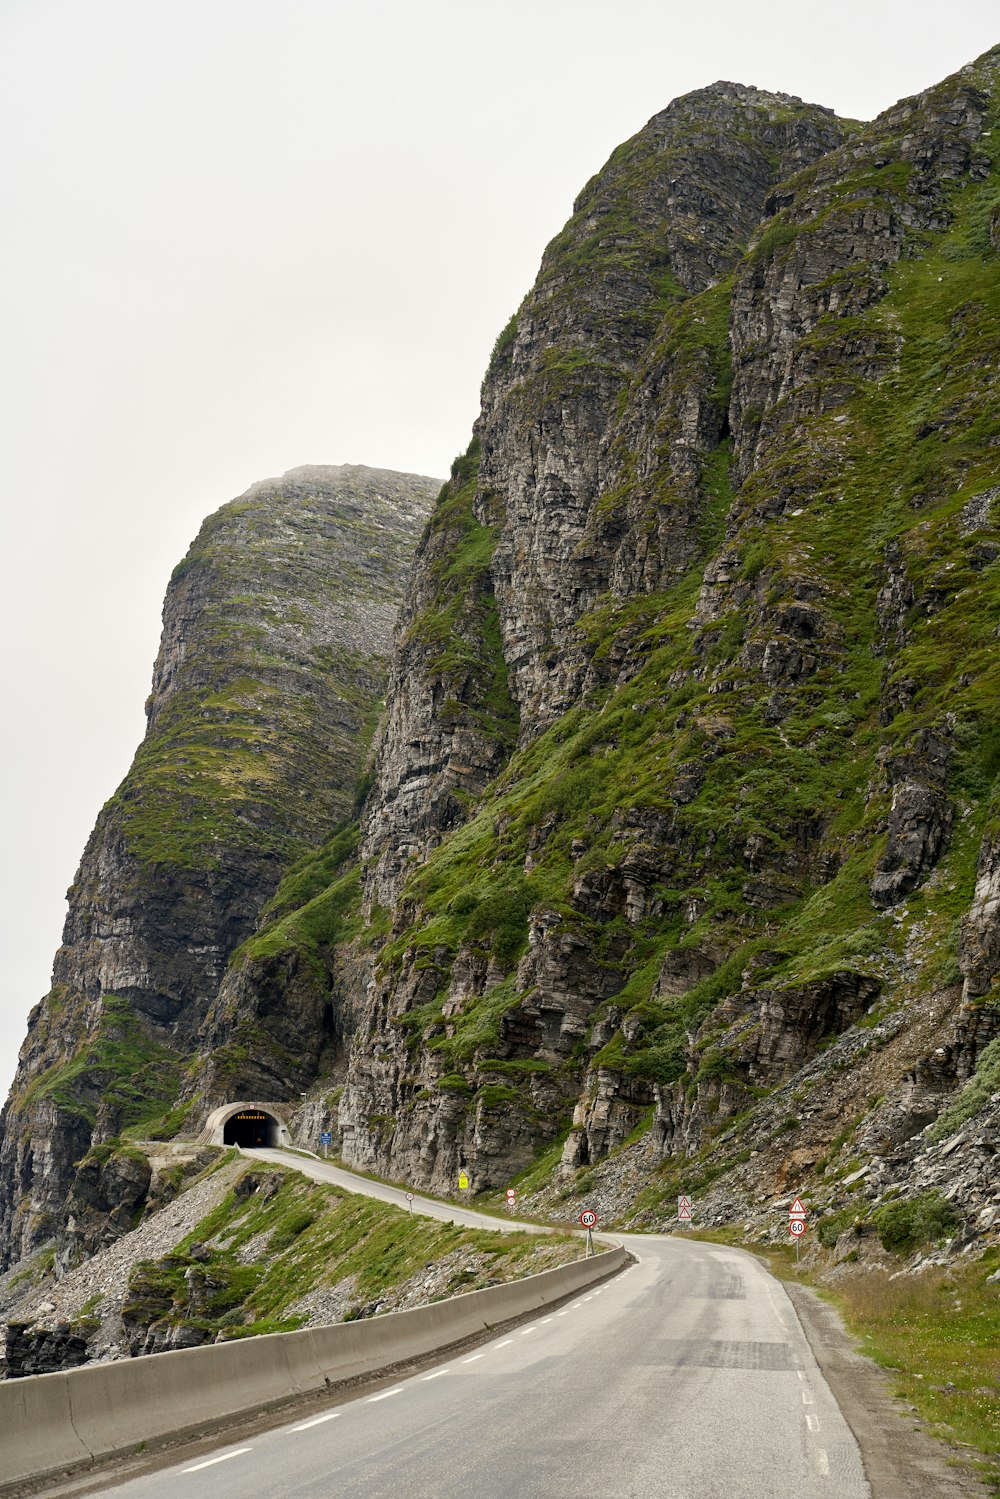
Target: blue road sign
[(326, 1138)]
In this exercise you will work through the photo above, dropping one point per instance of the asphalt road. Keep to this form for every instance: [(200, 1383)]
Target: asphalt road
[(427, 1206), (686, 1377)]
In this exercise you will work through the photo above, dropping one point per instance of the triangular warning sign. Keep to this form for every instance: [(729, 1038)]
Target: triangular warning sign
[(797, 1209)]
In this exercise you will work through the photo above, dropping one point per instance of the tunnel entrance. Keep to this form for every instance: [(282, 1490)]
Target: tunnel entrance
[(251, 1127)]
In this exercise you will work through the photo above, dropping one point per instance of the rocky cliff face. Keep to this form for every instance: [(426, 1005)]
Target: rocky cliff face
[(277, 628), (685, 786)]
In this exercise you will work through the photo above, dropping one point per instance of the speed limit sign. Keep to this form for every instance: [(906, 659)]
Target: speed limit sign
[(797, 1226), (588, 1218)]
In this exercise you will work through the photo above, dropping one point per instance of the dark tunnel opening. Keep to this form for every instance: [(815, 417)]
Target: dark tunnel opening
[(249, 1128)]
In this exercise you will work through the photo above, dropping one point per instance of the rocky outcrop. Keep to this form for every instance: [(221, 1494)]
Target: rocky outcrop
[(277, 629), (979, 953), (589, 497), (43, 1350), (451, 723), (920, 817)]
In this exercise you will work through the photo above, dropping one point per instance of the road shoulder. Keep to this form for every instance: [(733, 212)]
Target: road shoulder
[(901, 1461)]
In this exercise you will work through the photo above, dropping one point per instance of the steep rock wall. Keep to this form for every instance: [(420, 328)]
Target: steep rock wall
[(737, 484)]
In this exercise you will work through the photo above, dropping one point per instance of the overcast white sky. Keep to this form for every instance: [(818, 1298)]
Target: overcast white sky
[(243, 235)]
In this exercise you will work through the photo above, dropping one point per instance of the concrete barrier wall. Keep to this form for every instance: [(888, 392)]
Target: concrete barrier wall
[(53, 1422), (36, 1433)]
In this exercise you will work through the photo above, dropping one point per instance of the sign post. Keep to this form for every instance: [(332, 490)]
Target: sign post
[(326, 1140), (588, 1218), (797, 1223), (685, 1211)]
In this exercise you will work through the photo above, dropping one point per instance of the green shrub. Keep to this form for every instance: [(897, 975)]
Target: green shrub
[(833, 1225), (905, 1225), (502, 916), (984, 1082), (496, 1095), (454, 1082)]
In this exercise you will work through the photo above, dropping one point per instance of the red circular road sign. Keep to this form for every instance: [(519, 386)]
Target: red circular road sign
[(588, 1218), (511, 1192), (797, 1226), (409, 1196)]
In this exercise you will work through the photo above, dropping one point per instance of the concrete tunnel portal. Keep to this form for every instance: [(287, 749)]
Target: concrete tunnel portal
[(251, 1127), (248, 1122)]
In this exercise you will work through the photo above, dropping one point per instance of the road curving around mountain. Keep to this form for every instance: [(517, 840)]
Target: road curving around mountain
[(430, 1207), (689, 1374), (59, 1422)]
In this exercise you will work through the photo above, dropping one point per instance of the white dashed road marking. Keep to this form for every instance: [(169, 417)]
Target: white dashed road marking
[(211, 1461), (317, 1421), (385, 1395), (506, 1343), (436, 1375), (472, 1360), (812, 1422), (823, 1463)]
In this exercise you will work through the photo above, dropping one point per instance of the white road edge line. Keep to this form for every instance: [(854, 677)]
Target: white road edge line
[(812, 1422), (436, 1375), (823, 1463), (505, 1344), (211, 1461), (472, 1360), (525, 1331), (544, 1320), (385, 1394), (317, 1421), (807, 1397)]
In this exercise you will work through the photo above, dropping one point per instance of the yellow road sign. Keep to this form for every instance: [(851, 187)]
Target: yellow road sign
[(463, 1181)]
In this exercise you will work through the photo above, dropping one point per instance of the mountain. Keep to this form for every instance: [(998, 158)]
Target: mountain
[(277, 629), (676, 866), (680, 865)]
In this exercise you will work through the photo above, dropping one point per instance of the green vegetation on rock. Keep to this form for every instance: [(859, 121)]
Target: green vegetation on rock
[(118, 1066), (276, 1237)]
